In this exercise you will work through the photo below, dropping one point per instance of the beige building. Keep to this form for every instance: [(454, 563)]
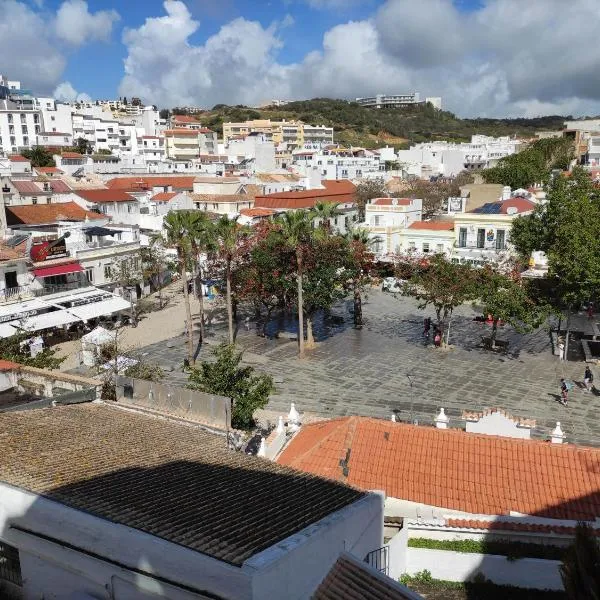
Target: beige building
[(294, 133), (184, 143)]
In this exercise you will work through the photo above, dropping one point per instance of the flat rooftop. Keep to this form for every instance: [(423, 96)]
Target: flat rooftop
[(168, 479)]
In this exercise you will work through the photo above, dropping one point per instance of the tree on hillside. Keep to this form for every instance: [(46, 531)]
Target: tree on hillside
[(580, 571), (38, 156), (443, 285), (225, 377), (367, 190)]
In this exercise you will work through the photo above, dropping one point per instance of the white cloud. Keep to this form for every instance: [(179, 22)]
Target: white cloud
[(76, 25), (67, 93), (505, 58)]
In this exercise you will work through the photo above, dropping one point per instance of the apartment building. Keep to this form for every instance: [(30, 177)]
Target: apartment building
[(339, 163), (398, 100), (187, 144), (292, 133)]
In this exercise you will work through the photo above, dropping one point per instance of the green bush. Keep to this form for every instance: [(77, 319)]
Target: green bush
[(512, 550)]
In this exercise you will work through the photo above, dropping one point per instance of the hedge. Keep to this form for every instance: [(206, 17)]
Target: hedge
[(512, 550)]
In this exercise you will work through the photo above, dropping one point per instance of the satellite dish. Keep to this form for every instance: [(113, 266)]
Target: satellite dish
[(512, 210), (394, 202)]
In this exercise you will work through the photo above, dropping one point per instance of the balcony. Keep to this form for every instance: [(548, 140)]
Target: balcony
[(16, 294)]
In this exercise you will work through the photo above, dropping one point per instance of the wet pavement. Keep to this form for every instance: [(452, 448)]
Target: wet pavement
[(388, 367)]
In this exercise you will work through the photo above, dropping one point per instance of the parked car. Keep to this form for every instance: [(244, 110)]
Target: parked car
[(392, 284)]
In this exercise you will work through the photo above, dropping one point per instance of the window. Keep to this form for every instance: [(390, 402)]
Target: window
[(344, 172), (480, 238), (23, 119), (37, 129), (376, 220), (11, 129), (34, 200), (24, 129), (25, 141), (89, 273), (500, 239), (107, 272), (425, 247), (10, 118), (346, 222), (36, 118), (49, 200), (129, 208), (53, 118), (439, 248), (411, 246)]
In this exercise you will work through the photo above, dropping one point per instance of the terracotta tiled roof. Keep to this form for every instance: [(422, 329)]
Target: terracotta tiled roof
[(220, 198), (59, 187), (17, 158), (477, 474), (13, 252), (184, 119), (168, 479), (433, 225), (47, 170), (277, 177), (48, 213), (391, 202), (106, 196), (163, 196), (257, 212), (27, 187), (181, 133), (7, 365), (351, 579), (341, 192), (515, 525), (229, 180), (72, 155), (253, 189), (132, 184)]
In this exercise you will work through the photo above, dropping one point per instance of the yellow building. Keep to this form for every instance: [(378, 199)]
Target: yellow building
[(294, 133)]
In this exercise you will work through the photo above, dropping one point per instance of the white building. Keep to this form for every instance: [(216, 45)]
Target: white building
[(165, 513), (339, 163), (398, 101)]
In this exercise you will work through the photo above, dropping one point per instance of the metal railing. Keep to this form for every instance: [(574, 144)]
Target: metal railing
[(10, 565), (15, 294), (379, 559)]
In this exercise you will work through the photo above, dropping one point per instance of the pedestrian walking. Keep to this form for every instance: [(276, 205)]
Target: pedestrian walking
[(247, 323), (426, 326), (590, 310), (561, 350), (564, 392), (437, 338), (588, 379)]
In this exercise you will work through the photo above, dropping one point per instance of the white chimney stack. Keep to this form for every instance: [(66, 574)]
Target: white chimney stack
[(262, 451), (293, 418), (280, 426), (506, 192), (393, 418), (558, 434), (441, 421)]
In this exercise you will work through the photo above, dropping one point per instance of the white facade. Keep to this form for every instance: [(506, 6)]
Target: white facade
[(339, 164)]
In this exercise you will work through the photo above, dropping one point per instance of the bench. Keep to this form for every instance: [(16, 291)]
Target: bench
[(500, 345)]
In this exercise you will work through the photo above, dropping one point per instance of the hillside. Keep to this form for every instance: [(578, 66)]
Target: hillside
[(359, 126)]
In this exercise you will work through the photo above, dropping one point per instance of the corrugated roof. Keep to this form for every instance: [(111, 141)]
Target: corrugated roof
[(106, 196), (351, 579), (39, 214), (168, 479), (477, 474)]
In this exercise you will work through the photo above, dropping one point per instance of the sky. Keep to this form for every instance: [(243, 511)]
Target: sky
[(483, 57)]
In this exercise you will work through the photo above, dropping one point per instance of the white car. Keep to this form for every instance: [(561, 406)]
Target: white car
[(392, 284)]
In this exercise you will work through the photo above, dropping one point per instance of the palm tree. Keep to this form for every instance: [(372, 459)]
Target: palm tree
[(228, 235), (324, 211), (202, 240), (297, 231), (179, 229)]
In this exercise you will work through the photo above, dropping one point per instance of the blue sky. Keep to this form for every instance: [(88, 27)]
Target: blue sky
[(483, 57)]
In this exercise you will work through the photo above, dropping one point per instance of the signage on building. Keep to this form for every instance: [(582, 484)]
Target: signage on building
[(21, 315), (47, 250)]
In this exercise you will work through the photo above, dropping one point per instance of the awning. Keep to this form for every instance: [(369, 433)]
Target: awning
[(46, 321), (58, 270), (101, 231), (100, 309), (7, 330)]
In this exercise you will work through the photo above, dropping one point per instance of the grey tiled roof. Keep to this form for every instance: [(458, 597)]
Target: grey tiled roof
[(168, 479)]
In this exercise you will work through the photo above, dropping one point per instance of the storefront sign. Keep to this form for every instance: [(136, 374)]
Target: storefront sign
[(47, 250), (21, 315)]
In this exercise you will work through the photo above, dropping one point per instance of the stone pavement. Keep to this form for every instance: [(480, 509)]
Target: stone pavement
[(388, 368)]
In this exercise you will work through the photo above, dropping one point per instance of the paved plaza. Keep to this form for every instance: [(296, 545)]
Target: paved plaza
[(388, 368)]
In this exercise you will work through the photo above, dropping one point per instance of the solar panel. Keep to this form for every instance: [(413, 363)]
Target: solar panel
[(14, 241), (491, 208)]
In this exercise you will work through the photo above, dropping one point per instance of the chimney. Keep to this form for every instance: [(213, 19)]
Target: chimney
[(262, 451), (557, 436), (280, 426), (293, 418), (441, 421), (393, 418), (506, 192)]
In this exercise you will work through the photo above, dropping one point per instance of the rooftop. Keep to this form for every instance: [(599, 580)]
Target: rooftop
[(515, 205), (104, 196), (391, 202), (17, 158), (433, 225), (351, 579), (473, 473), (220, 198), (141, 183), (163, 196), (257, 212), (47, 170), (338, 191), (168, 479), (41, 214)]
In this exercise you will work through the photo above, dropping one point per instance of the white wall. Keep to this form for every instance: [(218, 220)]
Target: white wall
[(533, 573)]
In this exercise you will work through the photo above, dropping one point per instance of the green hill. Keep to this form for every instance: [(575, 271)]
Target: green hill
[(360, 126)]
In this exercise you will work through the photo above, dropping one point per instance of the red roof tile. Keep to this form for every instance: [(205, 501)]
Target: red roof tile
[(514, 525), (7, 365), (184, 119), (452, 469), (48, 213), (46, 170), (521, 204), (433, 225), (27, 187), (163, 196), (72, 155), (106, 196), (59, 187), (181, 132), (340, 192), (133, 184), (17, 158), (391, 201), (257, 212)]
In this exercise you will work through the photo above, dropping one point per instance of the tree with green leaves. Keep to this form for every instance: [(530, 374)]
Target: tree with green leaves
[(38, 156), (359, 268), (366, 190), (324, 212), (229, 238), (296, 228), (507, 299), (443, 285), (16, 349), (153, 264), (580, 571), (82, 146), (179, 227), (225, 377)]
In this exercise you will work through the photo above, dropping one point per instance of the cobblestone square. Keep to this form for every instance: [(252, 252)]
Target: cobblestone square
[(388, 368)]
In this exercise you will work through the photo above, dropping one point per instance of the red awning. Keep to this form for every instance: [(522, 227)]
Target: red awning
[(58, 270)]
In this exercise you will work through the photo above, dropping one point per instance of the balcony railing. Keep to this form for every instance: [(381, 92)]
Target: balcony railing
[(15, 294), (379, 559)]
